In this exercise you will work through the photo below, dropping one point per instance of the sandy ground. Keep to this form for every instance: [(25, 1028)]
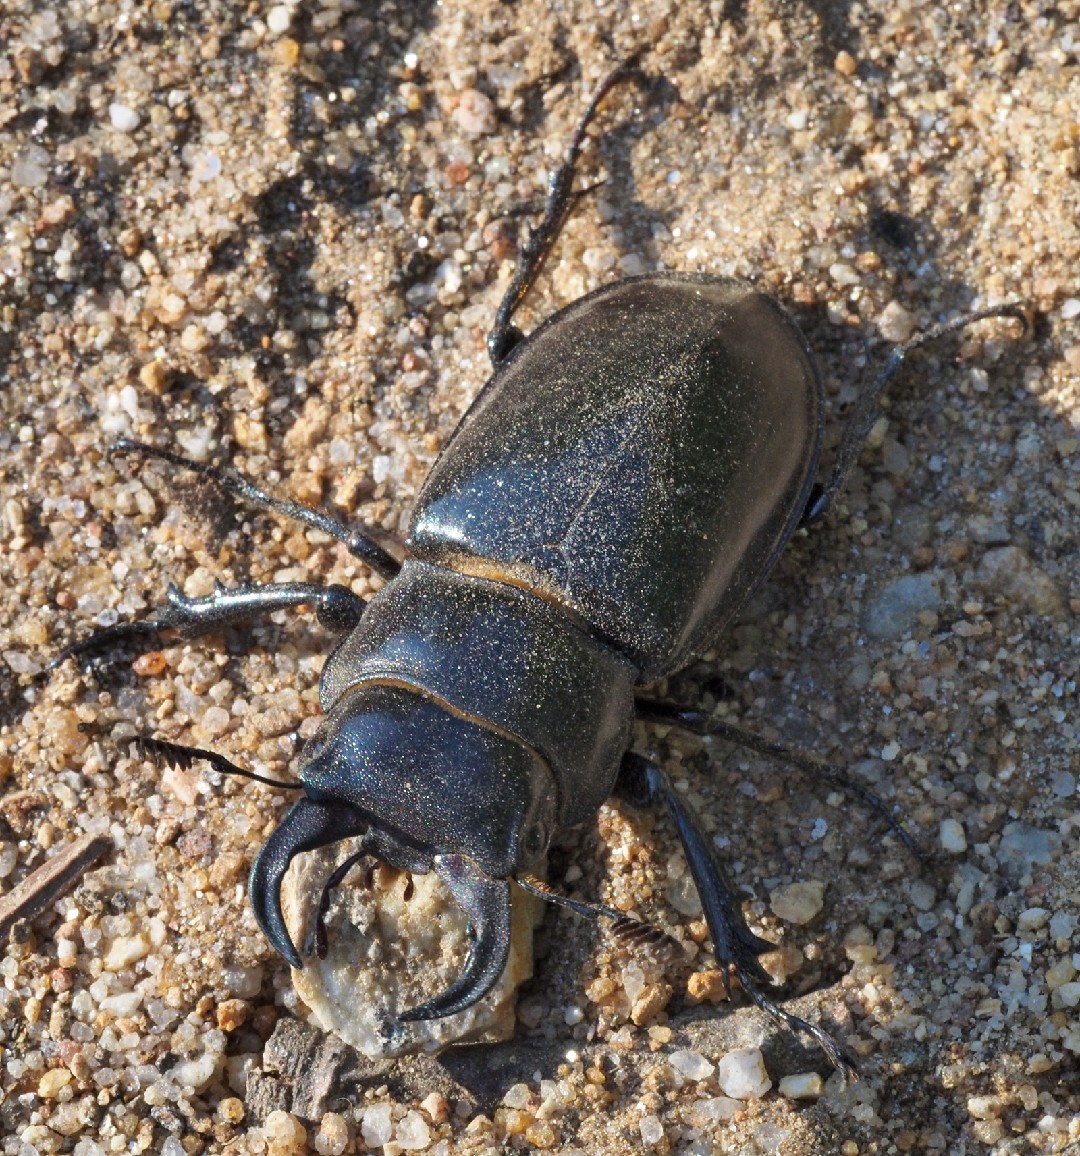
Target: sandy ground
[(275, 237)]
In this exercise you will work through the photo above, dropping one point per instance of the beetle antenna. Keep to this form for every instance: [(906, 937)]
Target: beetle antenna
[(631, 931), (175, 755)]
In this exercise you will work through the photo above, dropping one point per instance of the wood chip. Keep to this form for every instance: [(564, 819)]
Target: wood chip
[(52, 880)]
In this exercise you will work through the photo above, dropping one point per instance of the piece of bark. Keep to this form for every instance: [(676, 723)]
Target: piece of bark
[(51, 881)]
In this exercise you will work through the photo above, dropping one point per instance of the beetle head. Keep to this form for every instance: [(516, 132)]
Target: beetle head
[(428, 789)]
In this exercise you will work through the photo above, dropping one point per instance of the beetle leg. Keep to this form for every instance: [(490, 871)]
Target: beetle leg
[(337, 608), (486, 901), (560, 200), (697, 722), (643, 783), (736, 946), (867, 408), (360, 542)]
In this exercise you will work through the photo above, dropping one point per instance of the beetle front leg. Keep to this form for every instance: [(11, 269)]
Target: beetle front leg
[(337, 608), (642, 782)]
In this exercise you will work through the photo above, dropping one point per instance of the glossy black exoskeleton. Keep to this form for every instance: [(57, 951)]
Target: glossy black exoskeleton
[(622, 483)]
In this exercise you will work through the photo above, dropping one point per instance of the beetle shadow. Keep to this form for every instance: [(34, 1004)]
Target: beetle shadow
[(288, 236), (633, 230), (915, 258), (837, 33), (613, 137), (486, 1071)]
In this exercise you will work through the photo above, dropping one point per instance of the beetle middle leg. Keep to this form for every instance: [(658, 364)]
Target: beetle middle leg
[(642, 783), (698, 723), (336, 607), (867, 405)]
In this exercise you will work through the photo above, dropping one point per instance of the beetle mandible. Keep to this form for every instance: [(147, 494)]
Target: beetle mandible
[(625, 479)]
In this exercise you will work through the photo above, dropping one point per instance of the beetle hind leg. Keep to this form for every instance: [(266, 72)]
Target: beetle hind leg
[(736, 946), (698, 723), (360, 542), (560, 200)]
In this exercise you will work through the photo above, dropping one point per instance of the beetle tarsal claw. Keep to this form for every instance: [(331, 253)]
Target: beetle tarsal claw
[(830, 1046), (486, 901)]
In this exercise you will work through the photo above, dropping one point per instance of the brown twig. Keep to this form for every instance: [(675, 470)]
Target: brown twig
[(50, 882)]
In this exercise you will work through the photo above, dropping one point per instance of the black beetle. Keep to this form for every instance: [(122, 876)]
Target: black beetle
[(623, 482)]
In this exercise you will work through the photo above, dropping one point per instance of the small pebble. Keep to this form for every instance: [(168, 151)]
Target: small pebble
[(984, 1107), (896, 324), (845, 64), (332, 1137), (1032, 918), (844, 275), (413, 1133), (1023, 847), (741, 1074), (51, 1083), (1063, 784), (516, 1096), (278, 19), (1008, 571), (195, 1073), (126, 950), (652, 1131), (230, 1110), (149, 665), (692, 1065), (285, 1135), (123, 118), (541, 1135), (377, 1126), (706, 985), (953, 839), (652, 1001), (475, 113), (436, 1107), (708, 1112), (682, 894), (922, 894), (801, 1086), (894, 612), (1060, 973), (30, 169), (231, 1013), (798, 902), (215, 721)]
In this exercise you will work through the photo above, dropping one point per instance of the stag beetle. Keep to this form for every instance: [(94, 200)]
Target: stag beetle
[(619, 487)]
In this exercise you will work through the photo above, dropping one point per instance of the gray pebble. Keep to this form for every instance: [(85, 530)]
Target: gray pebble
[(1023, 847), (893, 613)]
